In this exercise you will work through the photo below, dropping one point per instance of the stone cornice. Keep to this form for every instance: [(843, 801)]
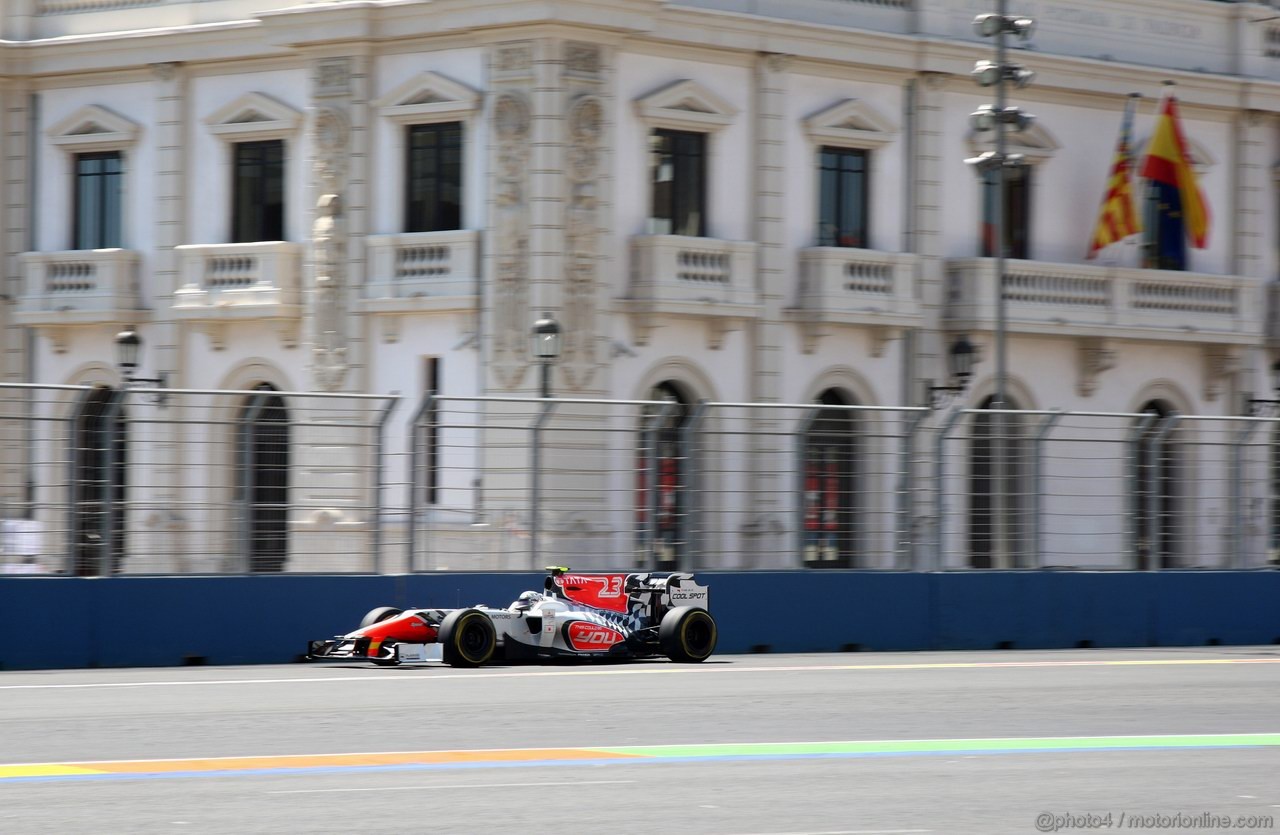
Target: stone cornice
[(641, 24)]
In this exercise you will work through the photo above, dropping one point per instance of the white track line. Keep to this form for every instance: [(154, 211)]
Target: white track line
[(434, 674), (461, 786), (849, 832)]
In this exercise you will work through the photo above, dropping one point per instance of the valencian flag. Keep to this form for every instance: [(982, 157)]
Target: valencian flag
[(1118, 218), (1179, 211)]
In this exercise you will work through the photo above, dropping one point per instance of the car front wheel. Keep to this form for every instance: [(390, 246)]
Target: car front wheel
[(467, 638)]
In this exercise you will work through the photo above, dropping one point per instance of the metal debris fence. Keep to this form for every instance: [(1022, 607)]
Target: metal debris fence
[(96, 481)]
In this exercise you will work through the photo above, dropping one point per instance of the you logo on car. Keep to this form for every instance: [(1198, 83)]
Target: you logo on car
[(591, 637)]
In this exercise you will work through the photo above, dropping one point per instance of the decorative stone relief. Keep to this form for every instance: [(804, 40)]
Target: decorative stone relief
[(1094, 356), (582, 59), (778, 61), (1221, 364), (333, 77), (515, 59), (165, 71), (511, 123), (329, 239), (586, 128), (331, 133)]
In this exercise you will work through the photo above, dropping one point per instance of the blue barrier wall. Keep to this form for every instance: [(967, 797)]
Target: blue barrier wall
[(163, 621)]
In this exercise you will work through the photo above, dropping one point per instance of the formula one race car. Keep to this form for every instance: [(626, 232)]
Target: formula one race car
[(576, 615)]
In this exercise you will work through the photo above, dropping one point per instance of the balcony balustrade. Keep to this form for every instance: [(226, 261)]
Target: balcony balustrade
[(80, 287), (1095, 301), (674, 275), (422, 271)]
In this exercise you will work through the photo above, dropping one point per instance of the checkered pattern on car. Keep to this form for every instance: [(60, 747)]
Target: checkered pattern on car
[(626, 623)]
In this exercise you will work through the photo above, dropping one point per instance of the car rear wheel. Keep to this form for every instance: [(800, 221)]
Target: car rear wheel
[(687, 634), (467, 638), (378, 615)]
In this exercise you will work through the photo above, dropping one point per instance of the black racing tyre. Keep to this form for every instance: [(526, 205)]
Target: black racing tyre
[(378, 615), (687, 634), (467, 638)]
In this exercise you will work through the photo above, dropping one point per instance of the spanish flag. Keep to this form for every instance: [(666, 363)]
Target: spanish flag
[(1118, 218), (1168, 165)]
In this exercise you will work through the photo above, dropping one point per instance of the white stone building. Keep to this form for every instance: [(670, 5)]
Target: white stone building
[(649, 172)]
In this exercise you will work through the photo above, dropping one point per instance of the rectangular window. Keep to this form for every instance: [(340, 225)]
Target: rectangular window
[(433, 200), (257, 200), (677, 164), (97, 201), (1017, 213), (842, 203)]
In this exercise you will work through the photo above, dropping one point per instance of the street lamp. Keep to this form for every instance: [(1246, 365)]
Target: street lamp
[(1268, 408), (960, 359), (128, 349), (546, 348)]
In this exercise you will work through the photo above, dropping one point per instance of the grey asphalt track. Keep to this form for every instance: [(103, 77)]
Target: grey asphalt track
[(78, 716)]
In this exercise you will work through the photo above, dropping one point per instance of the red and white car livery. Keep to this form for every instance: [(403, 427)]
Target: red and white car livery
[(577, 614)]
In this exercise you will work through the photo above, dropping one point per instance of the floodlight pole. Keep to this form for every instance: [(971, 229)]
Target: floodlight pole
[(1000, 447), (998, 208)]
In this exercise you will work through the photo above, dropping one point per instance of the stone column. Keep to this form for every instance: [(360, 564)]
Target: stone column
[(166, 352), (333, 485), (1254, 186), (765, 530), (15, 440), (550, 122), (926, 239)]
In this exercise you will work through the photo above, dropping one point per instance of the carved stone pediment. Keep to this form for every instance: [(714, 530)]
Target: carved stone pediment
[(685, 105), (428, 97), (851, 123)]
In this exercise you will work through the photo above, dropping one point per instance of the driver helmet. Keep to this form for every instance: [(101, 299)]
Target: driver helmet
[(526, 601)]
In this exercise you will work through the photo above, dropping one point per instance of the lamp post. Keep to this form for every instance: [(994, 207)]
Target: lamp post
[(546, 348), (960, 359), (128, 349), (1268, 408), (991, 166)]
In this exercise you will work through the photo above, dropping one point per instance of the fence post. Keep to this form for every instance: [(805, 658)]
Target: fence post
[(1237, 493), (106, 543), (1132, 533), (906, 550), (1037, 485), (1153, 496), (799, 468), (689, 433), (415, 423), (535, 521), (378, 443), (939, 473)]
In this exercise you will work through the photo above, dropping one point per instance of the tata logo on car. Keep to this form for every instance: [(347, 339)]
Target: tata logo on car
[(591, 637)]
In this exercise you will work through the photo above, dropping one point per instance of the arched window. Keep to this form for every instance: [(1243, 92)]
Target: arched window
[(1156, 497), (998, 506), (262, 479), (661, 460), (99, 461), (830, 485)]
